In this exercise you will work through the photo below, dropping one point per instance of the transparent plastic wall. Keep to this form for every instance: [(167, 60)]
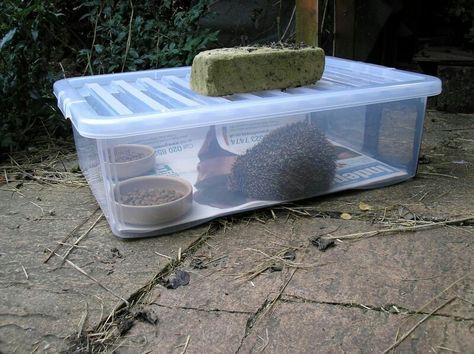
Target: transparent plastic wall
[(389, 132), (227, 168), (88, 151)]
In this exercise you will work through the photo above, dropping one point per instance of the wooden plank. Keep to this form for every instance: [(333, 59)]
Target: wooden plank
[(344, 27), (445, 55), (307, 22)]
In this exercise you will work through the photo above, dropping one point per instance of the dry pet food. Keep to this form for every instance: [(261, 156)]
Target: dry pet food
[(125, 154), (150, 196)]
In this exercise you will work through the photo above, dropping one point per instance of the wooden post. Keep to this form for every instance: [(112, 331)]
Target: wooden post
[(344, 26), (307, 22)]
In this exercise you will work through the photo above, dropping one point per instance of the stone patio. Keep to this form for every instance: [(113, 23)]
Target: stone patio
[(257, 283)]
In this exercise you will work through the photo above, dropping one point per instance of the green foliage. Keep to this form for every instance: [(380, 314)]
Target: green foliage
[(159, 34), (43, 41), (25, 56), (462, 12)]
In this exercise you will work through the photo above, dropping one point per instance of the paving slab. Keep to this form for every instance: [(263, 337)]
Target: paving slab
[(228, 279), (229, 259), (405, 270), (190, 331), (389, 275), (42, 304), (317, 328)]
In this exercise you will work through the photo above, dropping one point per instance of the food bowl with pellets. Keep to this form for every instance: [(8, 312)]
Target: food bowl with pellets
[(153, 200), (131, 160)]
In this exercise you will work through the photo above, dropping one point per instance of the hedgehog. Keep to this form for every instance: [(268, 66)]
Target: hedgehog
[(292, 162)]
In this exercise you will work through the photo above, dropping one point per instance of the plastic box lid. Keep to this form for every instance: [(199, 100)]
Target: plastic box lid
[(126, 104)]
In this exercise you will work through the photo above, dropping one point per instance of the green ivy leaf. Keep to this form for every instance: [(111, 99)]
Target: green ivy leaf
[(34, 34), (7, 37), (99, 48), (121, 36)]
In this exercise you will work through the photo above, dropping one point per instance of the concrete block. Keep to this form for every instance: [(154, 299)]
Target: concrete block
[(458, 88)]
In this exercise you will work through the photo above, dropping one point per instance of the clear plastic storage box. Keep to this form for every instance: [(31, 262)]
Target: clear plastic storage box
[(160, 158)]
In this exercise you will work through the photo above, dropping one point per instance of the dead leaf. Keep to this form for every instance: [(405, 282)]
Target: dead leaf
[(405, 213), (346, 216), (364, 206), (290, 255), (146, 315), (179, 278), (322, 243)]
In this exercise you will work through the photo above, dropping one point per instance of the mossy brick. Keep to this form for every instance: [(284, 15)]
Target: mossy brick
[(226, 71)]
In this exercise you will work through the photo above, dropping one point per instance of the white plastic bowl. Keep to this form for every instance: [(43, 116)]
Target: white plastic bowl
[(154, 214), (133, 168)]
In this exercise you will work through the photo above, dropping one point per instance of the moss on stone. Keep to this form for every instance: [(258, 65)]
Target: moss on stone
[(226, 71)]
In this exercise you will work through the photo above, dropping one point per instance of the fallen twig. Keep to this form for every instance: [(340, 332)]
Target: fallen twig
[(268, 263), (36, 205), (410, 331), (437, 174), (82, 236), (419, 310), (80, 270), (448, 349), (296, 211), (24, 271), (280, 293), (82, 322), (265, 341), (276, 257), (442, 292), (186, 345), (373, 233), (69, 235), (164, 255)]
